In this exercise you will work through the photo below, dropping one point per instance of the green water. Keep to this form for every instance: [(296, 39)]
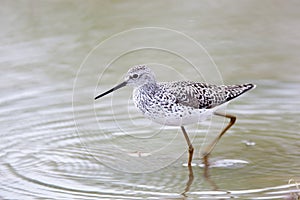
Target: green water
[(58, 143)]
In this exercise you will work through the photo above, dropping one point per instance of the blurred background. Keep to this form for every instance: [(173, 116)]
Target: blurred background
[(57, 143)]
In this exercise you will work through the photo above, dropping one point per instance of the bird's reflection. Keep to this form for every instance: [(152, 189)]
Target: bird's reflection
[(206, 176), (189, 182)]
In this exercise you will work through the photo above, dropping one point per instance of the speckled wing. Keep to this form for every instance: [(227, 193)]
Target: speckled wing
[(202, 95)]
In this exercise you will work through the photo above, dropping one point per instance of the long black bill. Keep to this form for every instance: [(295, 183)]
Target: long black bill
[(111, 90)]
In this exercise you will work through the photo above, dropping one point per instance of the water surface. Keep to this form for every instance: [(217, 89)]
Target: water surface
[(58, 143)]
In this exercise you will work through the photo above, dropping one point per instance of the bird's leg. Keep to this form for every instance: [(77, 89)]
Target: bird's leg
[(191, 148), (210, 147)]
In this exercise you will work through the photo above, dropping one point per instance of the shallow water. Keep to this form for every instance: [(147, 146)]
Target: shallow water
[(58, 143)]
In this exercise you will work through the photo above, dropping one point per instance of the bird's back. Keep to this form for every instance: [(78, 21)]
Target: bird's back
[(203, 95)]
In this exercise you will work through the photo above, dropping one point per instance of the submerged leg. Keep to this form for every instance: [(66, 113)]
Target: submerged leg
[(191, 148), (210, 147)]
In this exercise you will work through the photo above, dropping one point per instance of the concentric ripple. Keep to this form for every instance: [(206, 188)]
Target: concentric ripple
[(43, 154)]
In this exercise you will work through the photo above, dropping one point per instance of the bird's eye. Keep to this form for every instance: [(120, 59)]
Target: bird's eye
[(135, 75)]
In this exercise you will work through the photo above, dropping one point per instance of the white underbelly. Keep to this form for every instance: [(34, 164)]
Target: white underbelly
[(180, 118)]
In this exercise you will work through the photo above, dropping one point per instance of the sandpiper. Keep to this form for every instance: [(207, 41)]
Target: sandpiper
[(180, 103)]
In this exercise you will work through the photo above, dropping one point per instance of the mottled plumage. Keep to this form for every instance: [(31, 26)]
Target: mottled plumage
[(203, 95), (181, 102)]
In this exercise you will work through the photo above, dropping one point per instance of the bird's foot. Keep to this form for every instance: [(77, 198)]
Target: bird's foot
[(205, 159)]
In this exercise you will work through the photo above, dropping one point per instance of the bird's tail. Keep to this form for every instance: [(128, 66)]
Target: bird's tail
[(233, 91)]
